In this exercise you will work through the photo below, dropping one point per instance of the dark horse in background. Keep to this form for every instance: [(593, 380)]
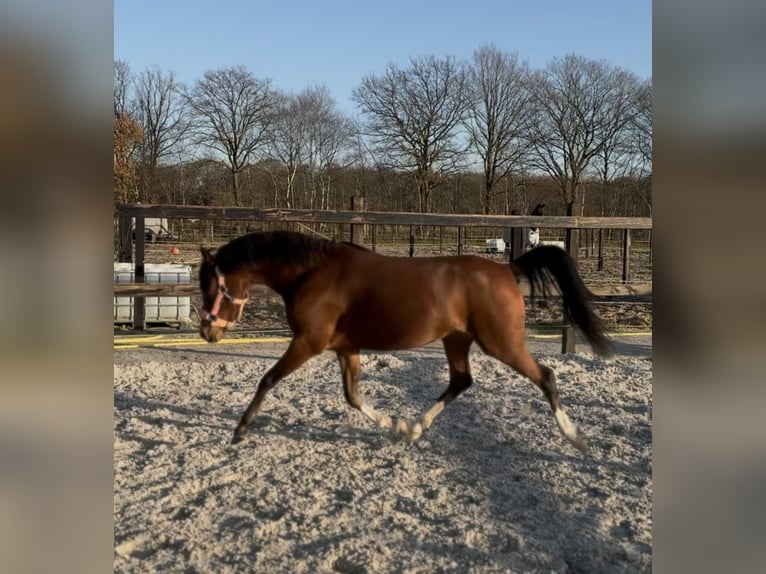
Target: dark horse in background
[(533, 233), (345, 298)]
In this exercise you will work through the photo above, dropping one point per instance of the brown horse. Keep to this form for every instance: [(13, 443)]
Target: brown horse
[(342, 297)]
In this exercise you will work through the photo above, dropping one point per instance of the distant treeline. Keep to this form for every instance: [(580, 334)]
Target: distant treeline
[(486, 136)]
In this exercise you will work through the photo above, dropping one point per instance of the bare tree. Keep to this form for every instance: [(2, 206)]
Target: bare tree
[(122, 79), (580, 105), (161, 109), (308, 138), (126, 142), (412, 118), (620, 156), (127, 137), (498, 113), (642, 122), (233, 112), (328, 134), (286, 142), (641, 143)]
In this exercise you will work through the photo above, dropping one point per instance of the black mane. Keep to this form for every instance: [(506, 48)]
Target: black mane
[(283, 247)]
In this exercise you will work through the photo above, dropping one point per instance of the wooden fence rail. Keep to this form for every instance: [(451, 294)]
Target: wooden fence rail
[(184, 289), (355, 219), (341, 217)]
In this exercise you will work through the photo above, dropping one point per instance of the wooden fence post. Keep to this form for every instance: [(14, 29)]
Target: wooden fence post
[(600, 266), (125, 239), (517, 239), (139, 308), (357, 231), (568, 332), (459, 240), (412, 241), (626, 255)]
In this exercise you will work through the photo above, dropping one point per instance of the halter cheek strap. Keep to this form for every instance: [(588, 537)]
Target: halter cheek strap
[(212, 315)]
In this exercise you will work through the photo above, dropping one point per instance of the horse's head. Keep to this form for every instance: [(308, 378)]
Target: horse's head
[(538, 210), (533, 236), (223, 298)]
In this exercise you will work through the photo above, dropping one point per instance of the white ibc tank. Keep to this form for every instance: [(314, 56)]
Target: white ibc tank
[(158, 309), (496, 245)]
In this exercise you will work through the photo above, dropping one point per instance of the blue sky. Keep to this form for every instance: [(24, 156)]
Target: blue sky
[(301, 43)]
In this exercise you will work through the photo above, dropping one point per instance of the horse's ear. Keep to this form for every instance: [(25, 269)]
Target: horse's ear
[(207, 255)]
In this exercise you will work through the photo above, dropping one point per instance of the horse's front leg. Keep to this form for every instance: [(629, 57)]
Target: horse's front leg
[(299, 351), (350, 369)]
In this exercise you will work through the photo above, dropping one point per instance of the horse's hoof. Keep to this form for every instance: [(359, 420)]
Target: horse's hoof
[(580, 443), (385, 422), (238, 437), (570, 431), (401, 428), (416, 429)]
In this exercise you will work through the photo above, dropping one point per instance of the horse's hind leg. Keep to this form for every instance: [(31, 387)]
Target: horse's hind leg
[(520, 360), (457, 345), (350, 369), (566, 426)]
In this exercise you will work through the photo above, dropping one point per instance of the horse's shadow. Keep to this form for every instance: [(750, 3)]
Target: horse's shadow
[(480, 455), (265, 424), (145, 409), (627, 349), (306, 429)]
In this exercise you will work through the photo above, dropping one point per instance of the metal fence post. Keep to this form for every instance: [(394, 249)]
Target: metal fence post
[(139, 307), (626, 256)]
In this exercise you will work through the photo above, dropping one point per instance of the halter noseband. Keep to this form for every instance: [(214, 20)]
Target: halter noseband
[(212, 316)]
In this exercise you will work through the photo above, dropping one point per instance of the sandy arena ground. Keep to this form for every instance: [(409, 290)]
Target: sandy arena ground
[(491, 487)]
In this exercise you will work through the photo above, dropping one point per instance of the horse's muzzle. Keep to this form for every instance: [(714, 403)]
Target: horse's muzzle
[(211, 334)]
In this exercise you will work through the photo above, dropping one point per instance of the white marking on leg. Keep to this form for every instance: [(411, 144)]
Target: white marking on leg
[(428, 416), (383, 421), (570, 431), (410, 431), (401, 427), (416, 429)]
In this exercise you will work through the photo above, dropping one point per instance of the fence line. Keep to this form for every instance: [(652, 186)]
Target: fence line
[(357, 219), (379, 217)]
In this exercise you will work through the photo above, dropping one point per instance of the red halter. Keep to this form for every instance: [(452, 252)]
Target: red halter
[(212, 316)]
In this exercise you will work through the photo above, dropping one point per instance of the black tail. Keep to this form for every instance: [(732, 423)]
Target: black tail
[(538, 265)]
